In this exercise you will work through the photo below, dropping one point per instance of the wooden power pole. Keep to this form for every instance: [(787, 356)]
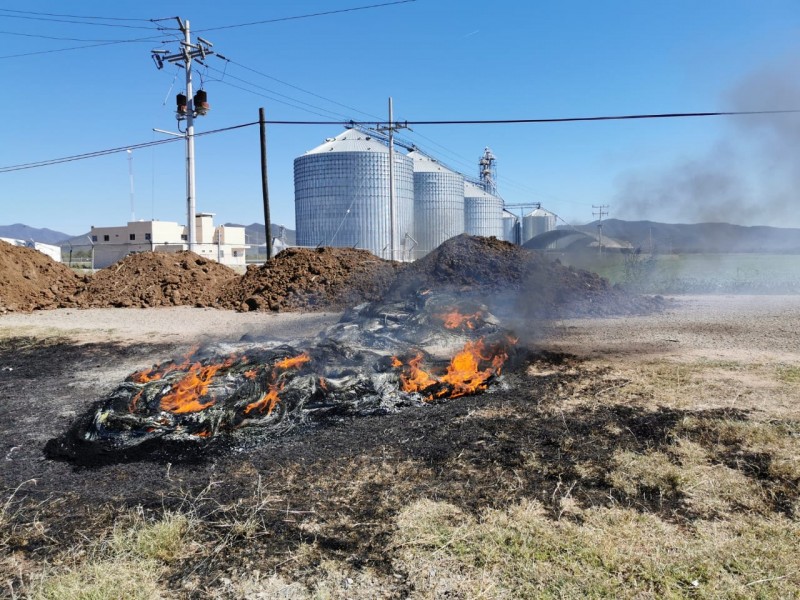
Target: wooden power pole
[(264, 182)]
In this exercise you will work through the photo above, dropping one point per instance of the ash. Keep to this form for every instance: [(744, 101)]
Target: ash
[(378, 359)]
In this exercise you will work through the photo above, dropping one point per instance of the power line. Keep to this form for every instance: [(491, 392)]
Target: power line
[(31, 12), (298, 88), (55, 50), (255, 85), (51, 37), (307, 16), (74, 22), (369, 124), (604, 118), (244, 89), (98, 153)]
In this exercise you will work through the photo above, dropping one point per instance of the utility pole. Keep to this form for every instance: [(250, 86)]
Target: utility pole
[(391, 128), (130, 177), (602, 210), (189, 106), (264, 183)]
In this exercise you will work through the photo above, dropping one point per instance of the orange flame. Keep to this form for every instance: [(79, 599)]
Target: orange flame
[(135, 401), (468, 372), (416, 379), (270, 398), (267, 402), (295, 361), (152, 374), (186, 393), (456, 320)]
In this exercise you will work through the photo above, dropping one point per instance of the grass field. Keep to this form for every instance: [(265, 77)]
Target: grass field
[(696, 273)]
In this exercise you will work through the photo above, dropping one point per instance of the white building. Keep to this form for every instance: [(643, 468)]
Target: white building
[(53, 252), (224, 244)]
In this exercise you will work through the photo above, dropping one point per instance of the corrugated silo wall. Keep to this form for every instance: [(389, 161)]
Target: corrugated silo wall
[(535, 225), (438, 209), (483, 215), (342, 199), (511, 229)]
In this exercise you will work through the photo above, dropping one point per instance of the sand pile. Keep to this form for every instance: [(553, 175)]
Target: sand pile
[(309, 279), (30, 280)]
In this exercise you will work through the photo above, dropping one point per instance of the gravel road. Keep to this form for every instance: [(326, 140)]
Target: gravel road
[(749, 328), (174, 325), (740, 328)]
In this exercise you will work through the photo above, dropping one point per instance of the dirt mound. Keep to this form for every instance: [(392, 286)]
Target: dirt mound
[(511, 279), (30, 280), (157, 279), (310, 279)]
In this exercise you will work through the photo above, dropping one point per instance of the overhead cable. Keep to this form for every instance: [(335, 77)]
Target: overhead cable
[(51, 37), (298, 88), (371, 123), (45, 14), (76, 22), (306, 16), (150, 40), (98, 153)]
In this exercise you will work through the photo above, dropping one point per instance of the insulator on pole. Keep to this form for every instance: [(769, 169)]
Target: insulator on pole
[(201, 105), (181, 101)]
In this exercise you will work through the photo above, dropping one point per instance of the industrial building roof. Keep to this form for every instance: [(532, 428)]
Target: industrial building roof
[(426, 164), (350, 140)]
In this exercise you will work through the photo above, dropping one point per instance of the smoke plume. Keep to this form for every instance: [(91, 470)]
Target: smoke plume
[(750, 176)]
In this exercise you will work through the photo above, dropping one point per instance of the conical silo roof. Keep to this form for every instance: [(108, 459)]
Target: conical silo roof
[(350, 140), (426, 164), (474, 191), (540, 212)]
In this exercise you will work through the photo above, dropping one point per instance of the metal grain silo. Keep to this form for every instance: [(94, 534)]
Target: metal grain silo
[(510, 227), (536, 222), (341, 194), (483, 212), (438, 203)]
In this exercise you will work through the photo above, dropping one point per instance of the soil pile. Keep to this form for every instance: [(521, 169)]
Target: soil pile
[(512, 279), (30, 280), (153, 279), (310, 279)]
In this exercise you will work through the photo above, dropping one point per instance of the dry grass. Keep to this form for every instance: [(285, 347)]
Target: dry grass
[(707, 508), (521, 552), (128, 564)]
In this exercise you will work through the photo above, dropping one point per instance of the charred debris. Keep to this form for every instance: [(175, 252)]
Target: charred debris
[(379, 358)]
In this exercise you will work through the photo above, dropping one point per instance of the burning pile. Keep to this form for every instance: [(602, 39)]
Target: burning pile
[(371, 362)]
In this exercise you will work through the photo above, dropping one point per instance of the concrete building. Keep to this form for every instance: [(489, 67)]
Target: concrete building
[(224, 244)]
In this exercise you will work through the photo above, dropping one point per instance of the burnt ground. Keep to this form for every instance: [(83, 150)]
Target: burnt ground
[(338, 486)]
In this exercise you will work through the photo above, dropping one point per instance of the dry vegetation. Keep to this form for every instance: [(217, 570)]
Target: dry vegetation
[(690, 490)]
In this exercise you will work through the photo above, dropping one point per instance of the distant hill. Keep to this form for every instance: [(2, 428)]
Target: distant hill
[(18, 231), (700, 237)]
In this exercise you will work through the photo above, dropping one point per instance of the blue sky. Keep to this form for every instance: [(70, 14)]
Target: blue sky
[(439, 60)]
